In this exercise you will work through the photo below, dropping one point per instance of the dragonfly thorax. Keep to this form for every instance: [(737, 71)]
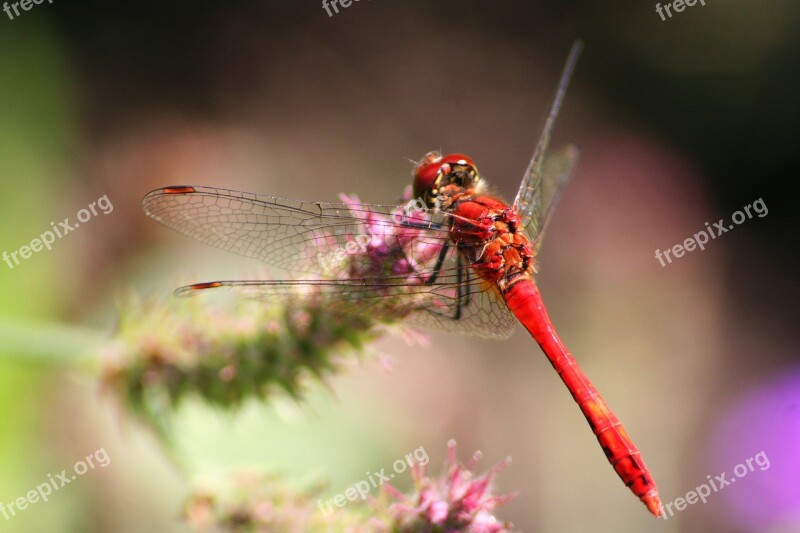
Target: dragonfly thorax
[(436, 172), (487, 231)]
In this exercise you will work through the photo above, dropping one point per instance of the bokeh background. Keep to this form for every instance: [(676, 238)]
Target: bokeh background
[(681, 122)]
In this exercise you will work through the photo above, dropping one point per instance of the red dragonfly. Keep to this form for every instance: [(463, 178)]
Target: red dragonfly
[(455, 258)]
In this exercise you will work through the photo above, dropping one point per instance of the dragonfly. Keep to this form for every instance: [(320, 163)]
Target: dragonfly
[(455, 258)]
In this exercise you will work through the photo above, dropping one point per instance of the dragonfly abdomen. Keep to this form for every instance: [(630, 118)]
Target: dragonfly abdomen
[(524, 300)]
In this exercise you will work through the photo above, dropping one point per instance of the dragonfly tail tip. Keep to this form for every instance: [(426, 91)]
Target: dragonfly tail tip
[(654, 505)]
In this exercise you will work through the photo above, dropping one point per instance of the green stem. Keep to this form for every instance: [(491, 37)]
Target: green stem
[(47, 341)]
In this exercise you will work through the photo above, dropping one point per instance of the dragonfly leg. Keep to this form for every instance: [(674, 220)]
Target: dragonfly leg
[(439, 262), (463, 290), (459, 288), (467, 286), (424, 226)]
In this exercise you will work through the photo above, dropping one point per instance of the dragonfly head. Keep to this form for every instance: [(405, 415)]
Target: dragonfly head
[(435, 172)]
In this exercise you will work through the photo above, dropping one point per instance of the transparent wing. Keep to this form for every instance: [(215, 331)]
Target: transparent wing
[(390, 263), (556, 172), (536, 193), (291, 234), (471, 308)]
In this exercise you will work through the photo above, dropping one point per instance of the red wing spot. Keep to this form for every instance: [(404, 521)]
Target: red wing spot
[(208, 285), (178, 190)]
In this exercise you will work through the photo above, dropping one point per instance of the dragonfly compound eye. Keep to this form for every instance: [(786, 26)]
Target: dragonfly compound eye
[(426, 176), (436, 171)]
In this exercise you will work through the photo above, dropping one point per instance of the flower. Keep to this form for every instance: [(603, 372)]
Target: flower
[(247, 502), (460, 500), (390, 249), (164, 352)]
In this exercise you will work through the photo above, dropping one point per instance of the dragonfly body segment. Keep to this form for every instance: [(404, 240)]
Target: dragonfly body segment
[(487, 233), (525, 302)]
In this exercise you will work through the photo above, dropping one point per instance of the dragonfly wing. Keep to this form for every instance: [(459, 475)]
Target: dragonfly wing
[(291, 234), (485, 315), (476, 310), (529, 201), (376, 262), (556, 172)]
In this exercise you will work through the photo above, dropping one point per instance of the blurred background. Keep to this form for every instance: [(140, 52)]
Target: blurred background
[(682, 122)]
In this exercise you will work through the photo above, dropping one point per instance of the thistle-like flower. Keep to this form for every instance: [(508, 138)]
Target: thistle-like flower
[(165, 352), (460, 500), (387, 249), (253, 503)]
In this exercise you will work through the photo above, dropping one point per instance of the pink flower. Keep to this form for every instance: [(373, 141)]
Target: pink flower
[(376, 251), (457, 501), (389, 245)]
